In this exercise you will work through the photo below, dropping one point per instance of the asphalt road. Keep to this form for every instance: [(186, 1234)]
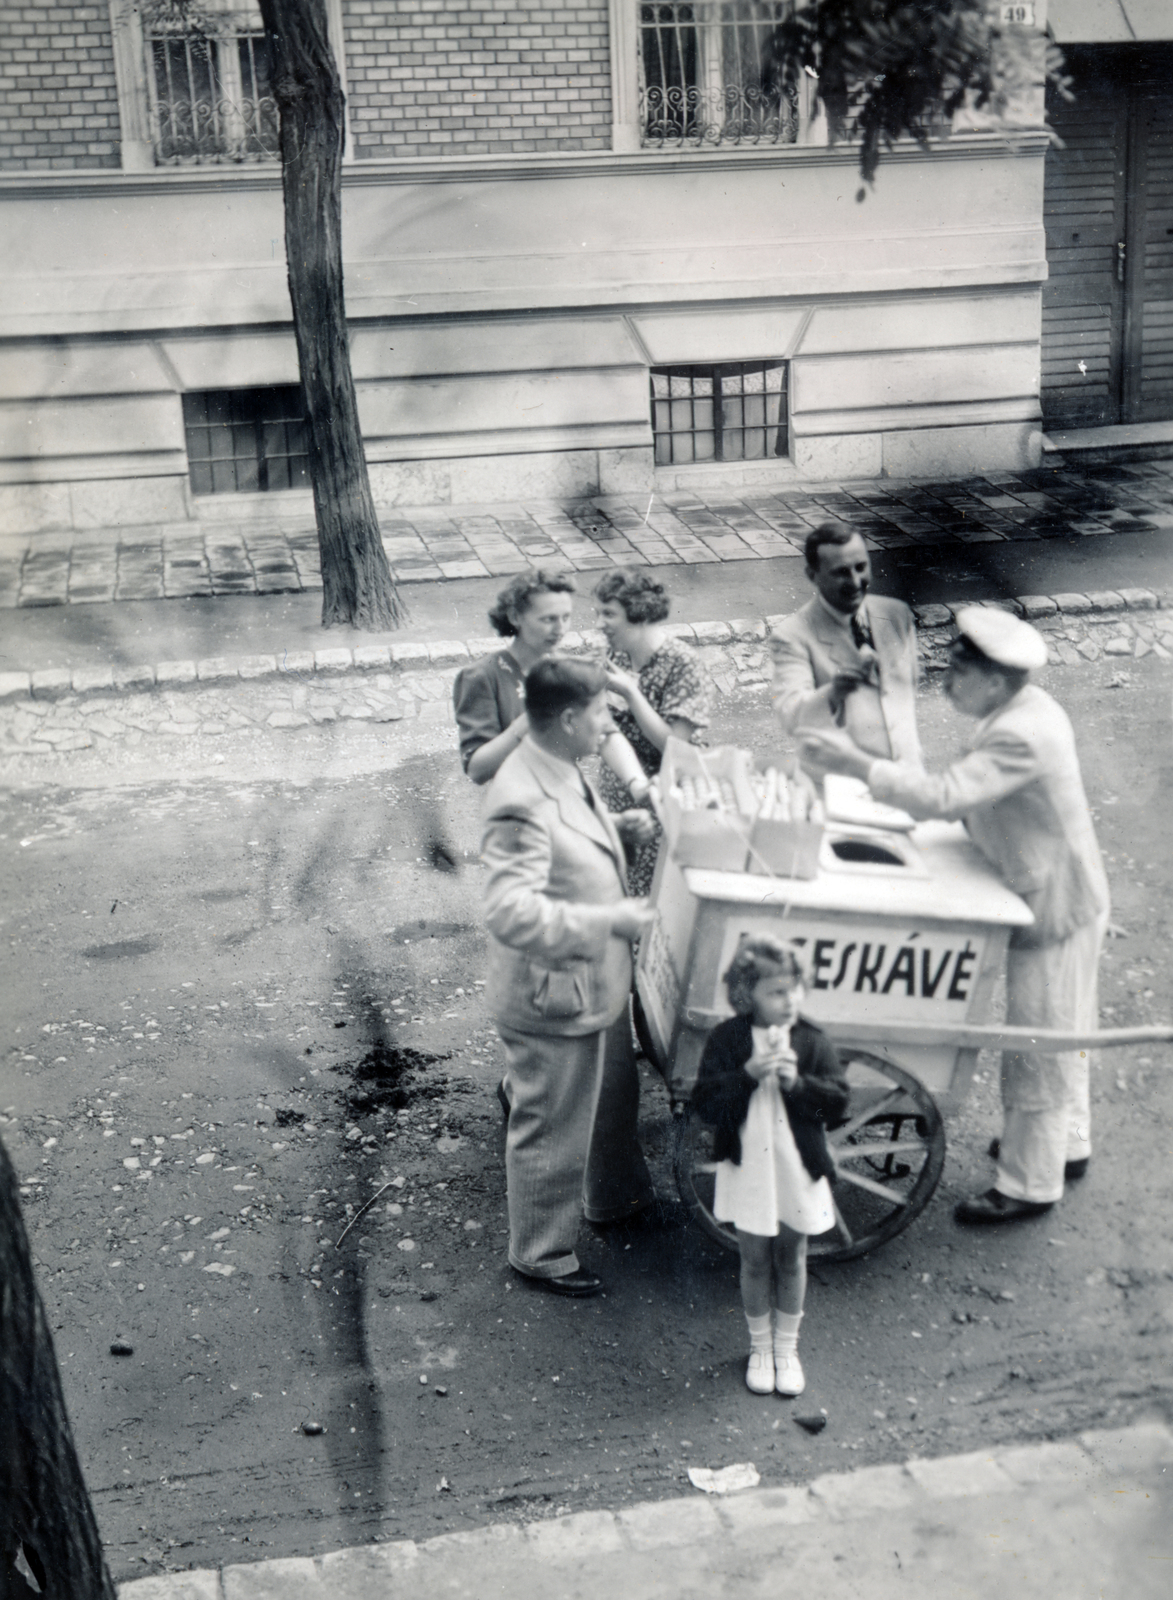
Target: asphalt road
[(240, 1003)]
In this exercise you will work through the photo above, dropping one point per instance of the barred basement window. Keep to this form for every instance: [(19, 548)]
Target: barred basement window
[(704, 75), (209, 80), (734, 412), (241, 441)]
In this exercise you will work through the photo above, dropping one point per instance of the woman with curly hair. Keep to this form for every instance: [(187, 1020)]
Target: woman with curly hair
[(533, 613), (664, 687)]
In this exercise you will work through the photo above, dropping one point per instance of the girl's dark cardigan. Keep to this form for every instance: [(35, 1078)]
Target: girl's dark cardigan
[(817, 1101)]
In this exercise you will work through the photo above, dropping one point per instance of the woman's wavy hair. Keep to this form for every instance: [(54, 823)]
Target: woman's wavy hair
[(759, 956), (642, 598), (519, 591)]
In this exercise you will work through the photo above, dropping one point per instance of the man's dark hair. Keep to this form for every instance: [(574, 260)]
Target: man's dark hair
[(555, 685), (825, 533)]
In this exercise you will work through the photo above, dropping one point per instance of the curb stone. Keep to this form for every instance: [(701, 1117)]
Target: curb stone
[(54, 683), (918, 1486), (55, 713)]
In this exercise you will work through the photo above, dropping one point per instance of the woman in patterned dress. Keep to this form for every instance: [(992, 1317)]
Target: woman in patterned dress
[(665, 689)]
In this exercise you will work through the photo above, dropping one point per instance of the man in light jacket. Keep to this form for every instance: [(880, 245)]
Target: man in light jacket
[(561, 927), (1020, 795), (848, 658)]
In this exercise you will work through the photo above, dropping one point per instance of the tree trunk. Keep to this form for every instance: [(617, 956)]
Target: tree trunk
[(357, 586), (45, 1510)]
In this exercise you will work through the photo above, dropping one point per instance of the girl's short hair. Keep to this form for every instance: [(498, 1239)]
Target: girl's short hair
[(759, 956), (642, 598), (518, 593)]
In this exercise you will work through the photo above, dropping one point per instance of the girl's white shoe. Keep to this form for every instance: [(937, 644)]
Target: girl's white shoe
[(759, 1374), (789, 1378)]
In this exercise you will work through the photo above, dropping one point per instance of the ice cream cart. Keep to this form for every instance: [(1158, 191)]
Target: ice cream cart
[(905, 936)]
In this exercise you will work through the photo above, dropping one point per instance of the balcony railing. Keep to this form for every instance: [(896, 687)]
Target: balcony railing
[(210, 88), (704, 77)]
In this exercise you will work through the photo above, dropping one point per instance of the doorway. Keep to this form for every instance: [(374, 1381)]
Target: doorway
[(1107, 333)]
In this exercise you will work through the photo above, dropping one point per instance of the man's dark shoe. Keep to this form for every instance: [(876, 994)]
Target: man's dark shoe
[(578, 1284), (994, 1207), (1071, 1171), (503, 1099)]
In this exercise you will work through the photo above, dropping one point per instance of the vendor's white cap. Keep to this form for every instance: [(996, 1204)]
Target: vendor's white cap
[(1005, 639)]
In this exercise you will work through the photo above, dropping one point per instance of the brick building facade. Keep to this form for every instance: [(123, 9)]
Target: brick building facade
[(58, 96), (501, 77), (588, 249), (432, 79)]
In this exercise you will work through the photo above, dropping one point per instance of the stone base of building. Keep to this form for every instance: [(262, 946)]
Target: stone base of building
[(469, 480), (554, 475)]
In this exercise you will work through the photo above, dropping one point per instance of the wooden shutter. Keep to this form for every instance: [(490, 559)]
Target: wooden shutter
[(1083, 211), (1152, 391)]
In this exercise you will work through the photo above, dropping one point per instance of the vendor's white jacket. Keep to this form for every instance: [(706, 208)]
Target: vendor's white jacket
[(1020, 794)]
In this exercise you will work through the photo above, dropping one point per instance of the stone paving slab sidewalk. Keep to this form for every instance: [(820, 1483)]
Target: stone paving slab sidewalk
[(57, 711), (1084, 1516), (179, 560)]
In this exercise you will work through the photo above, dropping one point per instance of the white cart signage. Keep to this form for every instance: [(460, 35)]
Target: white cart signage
[(920, 939)]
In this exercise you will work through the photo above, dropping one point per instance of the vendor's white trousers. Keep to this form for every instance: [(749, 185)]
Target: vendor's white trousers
[(1045, 1098)]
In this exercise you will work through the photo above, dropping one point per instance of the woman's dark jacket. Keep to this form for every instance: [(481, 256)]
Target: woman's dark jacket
[(817, 1101)]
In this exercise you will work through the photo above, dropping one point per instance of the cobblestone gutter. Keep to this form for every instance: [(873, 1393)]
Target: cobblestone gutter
[(58, 711)]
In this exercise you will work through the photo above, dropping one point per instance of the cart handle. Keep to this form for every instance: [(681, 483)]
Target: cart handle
[(962, 1037)]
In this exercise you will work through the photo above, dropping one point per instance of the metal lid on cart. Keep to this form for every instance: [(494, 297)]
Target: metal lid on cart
[(1005, 639)]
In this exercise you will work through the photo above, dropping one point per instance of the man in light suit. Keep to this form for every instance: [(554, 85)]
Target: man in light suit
[(1020, 795), (848, 659), (559, 982)]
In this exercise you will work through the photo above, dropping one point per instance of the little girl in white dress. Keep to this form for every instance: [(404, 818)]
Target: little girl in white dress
[(769, 1084)]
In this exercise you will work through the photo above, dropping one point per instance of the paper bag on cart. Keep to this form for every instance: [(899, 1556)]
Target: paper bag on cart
[(706, 800), (787, 831)]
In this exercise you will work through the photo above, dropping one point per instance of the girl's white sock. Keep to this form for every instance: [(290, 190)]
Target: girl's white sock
[(786, 1332), (759, 1331)]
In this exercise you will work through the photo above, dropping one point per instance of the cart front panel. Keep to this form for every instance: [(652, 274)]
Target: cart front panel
[(862, 970)]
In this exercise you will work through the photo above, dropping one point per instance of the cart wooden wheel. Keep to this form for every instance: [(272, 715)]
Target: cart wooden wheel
[(888, 1153)]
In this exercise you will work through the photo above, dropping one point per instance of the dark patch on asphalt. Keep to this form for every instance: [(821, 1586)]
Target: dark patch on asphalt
[(285, 1118), (410, 932), (443, 856), (388, 1077), (120, 950)]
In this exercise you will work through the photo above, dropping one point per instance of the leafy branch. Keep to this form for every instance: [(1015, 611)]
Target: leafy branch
[(892, 69)]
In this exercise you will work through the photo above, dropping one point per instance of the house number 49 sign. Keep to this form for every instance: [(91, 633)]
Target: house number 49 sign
[(1021, 12)]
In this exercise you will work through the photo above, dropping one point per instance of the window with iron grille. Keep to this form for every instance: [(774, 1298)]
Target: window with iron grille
[(734, 412), (705, 74), (209, 83), (244, 441)]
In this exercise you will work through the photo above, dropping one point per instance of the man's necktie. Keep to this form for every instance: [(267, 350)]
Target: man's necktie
[(861, 633)]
